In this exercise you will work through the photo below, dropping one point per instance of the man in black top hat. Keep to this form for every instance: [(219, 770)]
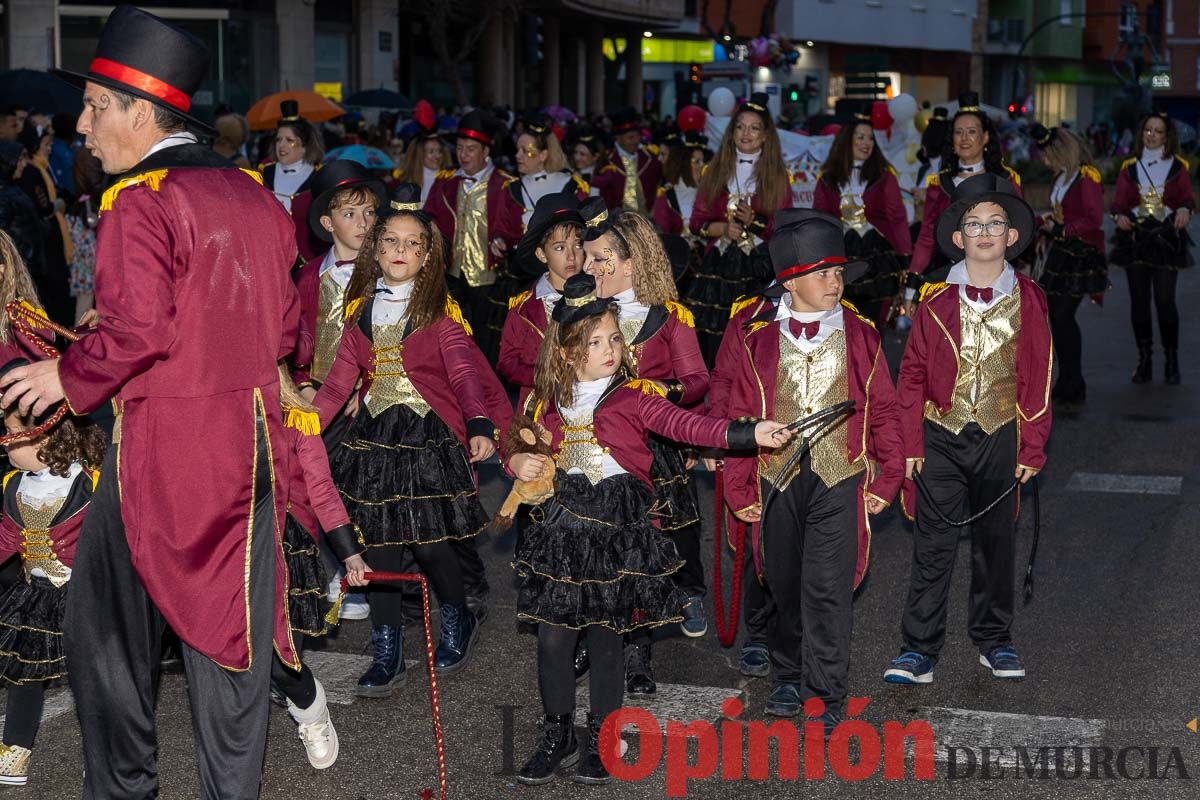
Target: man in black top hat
[(196, 307), (642, 171)]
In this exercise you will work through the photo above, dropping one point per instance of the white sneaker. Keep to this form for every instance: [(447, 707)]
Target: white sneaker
[(356, 610), (335, 587), (14, 765), (316, 730)]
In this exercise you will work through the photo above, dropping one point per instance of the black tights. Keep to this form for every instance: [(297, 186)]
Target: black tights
[(23, 715), (1145, 282), (1068, 343), (439, 563), (556, 669)]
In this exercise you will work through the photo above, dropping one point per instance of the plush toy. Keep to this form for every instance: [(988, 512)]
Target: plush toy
[(526, 436)]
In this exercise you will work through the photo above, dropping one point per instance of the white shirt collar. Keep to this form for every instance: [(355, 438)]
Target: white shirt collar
[(542, 289), (831, 320), (587, 395), (39, 488), (624, 154), (1005, 284), (394, 294), (172, 140), (751, 157), (341, 274), (1150, 155), (629, 307), (977, 167), (480, 176)]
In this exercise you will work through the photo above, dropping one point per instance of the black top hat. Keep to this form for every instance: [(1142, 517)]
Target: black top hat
[(578, 302), (332, 178), (1041, 134), (593, 211), (144, 56), (289, 111), (940, 113), (985, 188), (625, 120), (806, 241), (590, 138), (694, 140), (477, 125), (539, 124), (758, 101), (968, 103), (557, 208)]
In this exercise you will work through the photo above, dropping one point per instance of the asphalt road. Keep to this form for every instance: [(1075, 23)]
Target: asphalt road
[(1108, 643)]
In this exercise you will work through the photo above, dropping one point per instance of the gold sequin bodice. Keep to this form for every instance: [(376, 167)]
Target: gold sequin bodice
[(632, 199), (330, 305), (390, 384), (37, 546), (579, 448), (807, 383), (471, 236), (986, 389), (1150, 203), (630, 328), (854, 213)]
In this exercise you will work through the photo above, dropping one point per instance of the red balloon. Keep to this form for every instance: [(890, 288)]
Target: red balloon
[(424, 115), (692, 118), (881, 118)]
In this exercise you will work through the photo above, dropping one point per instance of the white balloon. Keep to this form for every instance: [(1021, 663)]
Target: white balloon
[(721, 102), (902, 107)]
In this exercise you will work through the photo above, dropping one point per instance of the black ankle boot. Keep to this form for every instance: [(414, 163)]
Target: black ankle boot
[(557, 748), (1144, 371), (387, 670), (459, 630), (639, 678), (591, 767), (1172, 370), (582, 663)]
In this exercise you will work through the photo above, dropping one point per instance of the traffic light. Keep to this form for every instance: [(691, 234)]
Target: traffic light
[(793, 92), (694, 74), (1017, 109), (532, 39)]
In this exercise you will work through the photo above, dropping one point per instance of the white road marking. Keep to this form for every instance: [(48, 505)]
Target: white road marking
[(58, 702), (967, 728), (1125, 484), (339, 673)]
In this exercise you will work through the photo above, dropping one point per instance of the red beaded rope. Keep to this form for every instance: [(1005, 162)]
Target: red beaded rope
[(20, 315), (727, 626), (435, 703)]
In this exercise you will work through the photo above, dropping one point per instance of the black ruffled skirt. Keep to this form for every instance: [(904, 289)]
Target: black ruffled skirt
[(405, 479), (678, 505), (721, 279), (1073, 268), (31, 618), (592, 557), (886, 273), (1152, 243), (307, 581)]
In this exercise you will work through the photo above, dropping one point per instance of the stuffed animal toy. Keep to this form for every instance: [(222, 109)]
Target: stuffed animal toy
[(525, 436)]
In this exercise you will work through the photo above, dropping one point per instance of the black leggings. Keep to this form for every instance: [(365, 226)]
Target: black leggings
[(556, 669), (298, 686), (1068, 342), (1145, 282), (23, 714), (437, 560)]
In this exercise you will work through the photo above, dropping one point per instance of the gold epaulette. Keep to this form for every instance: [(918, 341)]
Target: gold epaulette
[(307, 422), (253, 173), (742, 303), (791, 179), (662, 191), (929, 289), (652, 149), (854, 310), (445, 174), (8, 477), (94, 474), (1184, 161), (151, 179), (454, 312), (1090, 172), (891, 169), (757, 326), (581, 183), (609, 168), (352, 308), (933, 180), (1127, 163), (519, 299), (646, 387), (1014, 177), (681, 312)]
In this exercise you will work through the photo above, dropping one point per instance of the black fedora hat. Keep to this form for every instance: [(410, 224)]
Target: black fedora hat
[(144, 56), (807, 241), (985, 188), (557, 208), (477, 125), (1041, 134), (331, 179)]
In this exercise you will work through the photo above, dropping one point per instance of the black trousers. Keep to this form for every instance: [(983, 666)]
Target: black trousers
[(556, 669), (112, 639), (477, 304), (1068, 343), (758, 606), (1146, 283), (23, 713), (963, 474), (810, 541), (440, 565)]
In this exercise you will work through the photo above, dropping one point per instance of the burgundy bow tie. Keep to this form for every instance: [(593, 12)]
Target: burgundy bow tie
[(343, 263), (806, 329), (977, 295)]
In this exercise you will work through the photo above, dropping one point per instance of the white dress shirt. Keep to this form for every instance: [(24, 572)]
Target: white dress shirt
[(743, 181), (341, 274), (830, 321), (391, 302), (289, 179), (1004, 285)]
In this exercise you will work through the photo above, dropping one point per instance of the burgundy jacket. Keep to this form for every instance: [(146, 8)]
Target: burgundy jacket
[(313, 500), (524, 328), (308, 286), (1176, 194), (197, 307), (308, 243), (1083, 209), (67, 524), (609, 182), (937, 201), (503, 213), (729, 353), (882, 205), (872, 430), (667, 216), (667, 350), (929, 371)]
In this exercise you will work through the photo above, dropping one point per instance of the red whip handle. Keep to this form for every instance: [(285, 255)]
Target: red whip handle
[(727, 626)]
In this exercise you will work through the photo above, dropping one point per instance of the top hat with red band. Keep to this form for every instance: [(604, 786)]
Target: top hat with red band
[(340, 174), (625, 120), (477, 125), (807, 241), (986, 187), (142, 55)]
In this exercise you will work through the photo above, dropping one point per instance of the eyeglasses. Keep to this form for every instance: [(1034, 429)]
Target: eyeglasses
[(973, 230), (400, 245)]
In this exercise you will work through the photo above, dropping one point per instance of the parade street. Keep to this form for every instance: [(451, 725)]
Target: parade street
[(1108, 641)]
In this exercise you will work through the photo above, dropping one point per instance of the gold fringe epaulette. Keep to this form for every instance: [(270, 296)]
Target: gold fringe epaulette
[(854, 310), (682, 313), (253, 173), (891, 169), (41, 312), (95, 476), (929, 289), (8, 476), (1186, 165), (352, 308), (580, 183), (609, 168), (1014, 177), (1127, 163), (646, 387), (151, 179), (454, 312), (307, 422), (1090, 172), (517, 300), (933, 180), (509, 180), (742, 303), (445, 174), (662, 192)]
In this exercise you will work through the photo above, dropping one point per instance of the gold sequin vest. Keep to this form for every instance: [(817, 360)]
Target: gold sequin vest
[(330, 305), (579, 448), (471, 236), (37, 546), (632, 199), (390, 384)]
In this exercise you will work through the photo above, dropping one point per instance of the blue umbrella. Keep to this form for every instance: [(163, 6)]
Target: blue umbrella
[(369, 157)]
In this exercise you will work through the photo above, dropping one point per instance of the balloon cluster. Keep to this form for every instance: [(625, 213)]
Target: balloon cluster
[(774, 51), (887, 113)]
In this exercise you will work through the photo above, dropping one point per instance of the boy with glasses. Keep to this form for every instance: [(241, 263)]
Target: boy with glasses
[(974, 393)]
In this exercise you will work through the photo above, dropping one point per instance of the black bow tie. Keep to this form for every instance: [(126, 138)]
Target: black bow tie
[(382, 290), (287, 171), (469, 179), (745, 160), (540, 177)]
